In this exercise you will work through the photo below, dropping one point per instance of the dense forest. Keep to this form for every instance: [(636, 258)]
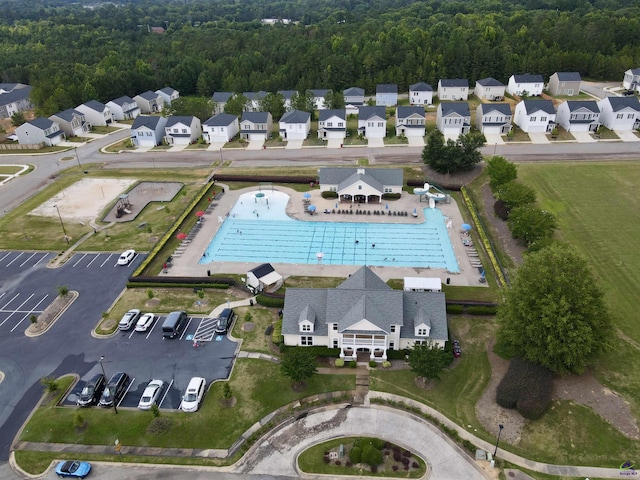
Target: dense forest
[(75, 51)]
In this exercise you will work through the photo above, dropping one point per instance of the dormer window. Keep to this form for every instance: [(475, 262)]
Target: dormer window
[(422, 332), (305, 327)]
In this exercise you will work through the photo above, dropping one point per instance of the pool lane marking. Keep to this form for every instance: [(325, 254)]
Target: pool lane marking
[(32, 255), (29, 312)]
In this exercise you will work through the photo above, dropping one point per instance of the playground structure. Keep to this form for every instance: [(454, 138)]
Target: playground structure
[(123, 206), (429, 196)]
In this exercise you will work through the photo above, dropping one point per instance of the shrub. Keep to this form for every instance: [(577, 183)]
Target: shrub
[(374, 469), (515, 194), (276, 335), (527, 387), (63, 290), (155, 411), (339, 362), (397, 456), (149, 293), (501, 210), (226, 391), (373, 364), (378, 443), (371, 455), (455, 309), (348, 464), (500, 171), (327, 459), (353, 364), (386, 364), (405, 461), (50, 383), (406, 453), (414, 465), (338, 462), (328, 194), (481, 310), (270, 301), (394, 468), (355, 455), (78, 419)]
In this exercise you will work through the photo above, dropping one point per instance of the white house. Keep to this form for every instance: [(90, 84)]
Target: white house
[(535, 116), (332, 124), (372, 122), (71, 121), (564, 83), (631, 79), (386, 95), (494, 118), (148, 130), (453, 89), (255, 100), (578, 116), (620, 113), (453, 119), (295, 125), (287, 95), (220, 128), (263, 278), (149, 102), (529, 85), (256, 126), (182, 129), (14, 98), (363, 314), (360, 185), (168, 94), (39, 130), (219, 100), (420, 94), (489, 89), (320, 98), (96, 113), (123, 108), (410, 121)]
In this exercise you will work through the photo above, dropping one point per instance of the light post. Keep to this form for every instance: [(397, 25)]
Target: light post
[(111, 393), (500, 426), (62, 225), (75, 150)]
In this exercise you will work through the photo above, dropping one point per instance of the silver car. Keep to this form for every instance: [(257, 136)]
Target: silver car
[(151, 394)]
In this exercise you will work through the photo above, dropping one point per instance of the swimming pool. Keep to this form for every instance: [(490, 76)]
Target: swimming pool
[(258, 229)]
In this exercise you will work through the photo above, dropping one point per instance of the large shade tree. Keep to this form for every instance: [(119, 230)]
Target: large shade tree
[(428, 360), (453, 156), (299, 364), (554, 313)]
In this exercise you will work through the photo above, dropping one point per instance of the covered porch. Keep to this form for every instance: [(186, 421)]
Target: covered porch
[(375, 345)]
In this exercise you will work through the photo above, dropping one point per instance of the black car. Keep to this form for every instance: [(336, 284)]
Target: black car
[(224, 321), (116, 387), (92, 391), (628, 93)]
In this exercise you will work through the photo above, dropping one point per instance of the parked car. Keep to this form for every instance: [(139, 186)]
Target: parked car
[(145, 322), (73, 469), (129, 319), (126, 257), (193, 395), (114, 391), (224, 321), (92, 391), (628, 93), (151, 394)]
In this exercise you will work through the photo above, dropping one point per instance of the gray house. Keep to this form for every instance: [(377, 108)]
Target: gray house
[(168, 94), (295, 125), (96, 113), (149, 102), (453, 89), (182, 129), (39, 130), (219, 100), (71, 121), (320, 98), (123, 108), (453, 119), (410, 121), (254, 100), (420, 94), (287, 95), (489, 89), (494, 118), (14, 98), (256, 126), (148, 130), (364, 314), (372, 122), (387, 94), (564, 83), (359, 185)]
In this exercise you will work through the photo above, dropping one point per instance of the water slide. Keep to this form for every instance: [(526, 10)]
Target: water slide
[(437, 196)]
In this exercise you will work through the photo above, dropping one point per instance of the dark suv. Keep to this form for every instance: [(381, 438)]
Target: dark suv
[(92, 391), (224, 321), (116, 387)]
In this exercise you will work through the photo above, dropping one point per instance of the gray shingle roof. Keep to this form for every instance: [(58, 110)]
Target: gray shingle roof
[(220, 120), (365, 113), (221, 97), (386, 88), (363, 278), (590, 105), (41, 122), (255, 95), (404, 112), (420, 87), (454, 82), (68, 114), (635, 71), (528, 78), (503, 108), (95, 105), (148, 95), (255, 117), (489, 82), (620, 103), (531, 106), (168, 91), (295, 116), (452, 108), (382, 176), (319, 92), (15, 95), (122, 100), (353, 92), (287, 94), (568, 76), (148, 121), (326, 114), (175, 119)]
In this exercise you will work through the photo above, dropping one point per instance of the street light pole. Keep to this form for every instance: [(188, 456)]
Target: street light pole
[(75, 150), (500, 426), (62, 224), (111, 393)]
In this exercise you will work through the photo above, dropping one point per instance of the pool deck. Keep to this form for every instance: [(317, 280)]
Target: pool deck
[(186, 264)]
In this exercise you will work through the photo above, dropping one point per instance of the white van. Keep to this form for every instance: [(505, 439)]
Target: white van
[(193, 395)]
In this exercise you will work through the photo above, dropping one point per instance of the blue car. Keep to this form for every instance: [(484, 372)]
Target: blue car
[(73, 469)]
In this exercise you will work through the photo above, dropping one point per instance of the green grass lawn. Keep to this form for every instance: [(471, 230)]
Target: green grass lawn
[(254, 338)]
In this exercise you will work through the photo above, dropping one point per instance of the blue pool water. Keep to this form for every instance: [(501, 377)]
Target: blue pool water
[(258, 230)]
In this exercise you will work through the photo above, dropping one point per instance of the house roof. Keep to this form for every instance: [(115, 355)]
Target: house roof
[(635, 71), (454, 108), (295, 116), (255, 95), (15, 95), (404, 112), (327, 114), (220, 120), (183, 119), (221, 97), (363, 278), (167, 91), (262, 270), (528, 78), (454, 82), (568, 76), (148, 95), (319, 93), (122, 100), (41, 122), (502, 108), (532, 106), (590, 105), (338, 176), (95, 105), (620, 103), (387, 88), (370, 180), (148, 121), (365, 113), (255, 117), (420, 87), (7, 87), (489, 82), (68, 114), (287, 94), (353, 92)]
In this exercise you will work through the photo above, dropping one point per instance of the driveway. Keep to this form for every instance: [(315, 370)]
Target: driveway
[(335, 142), (583, 137), (494, 139), (627, 136), (255, 145), (415, 141), (215, 146), (375, 142), (538, 137), (294, 144)]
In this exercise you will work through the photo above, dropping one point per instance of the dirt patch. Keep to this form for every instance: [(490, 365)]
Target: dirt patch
[(248, 327), (50, 314), (153, 302), (228, 402)]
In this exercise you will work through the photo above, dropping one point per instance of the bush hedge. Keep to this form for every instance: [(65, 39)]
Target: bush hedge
[(270, 301), (455, 309), (397, 354), (329, 194), (355, 455), (318, 351), (264, 178), (481, 310), (527, 387), (501, 210), (371, 455), (276, 335)]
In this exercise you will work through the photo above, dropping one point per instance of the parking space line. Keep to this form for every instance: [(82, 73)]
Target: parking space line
[(81, 258), (19, 255), (43, 257), (5, 256), (126, 391), (6, 304), (94, 259), (153, 327), (12, 313), (29, 313), (166, 392), (32, 255), (102, 264), (186, 328)]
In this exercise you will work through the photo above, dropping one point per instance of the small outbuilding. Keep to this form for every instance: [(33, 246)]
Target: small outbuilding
[(263, 278), (422, 284)]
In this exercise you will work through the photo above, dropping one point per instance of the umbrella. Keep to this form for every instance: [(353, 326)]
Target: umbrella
[(259, 195), (387, 206), (199, 213), (466, 227), (311, 208), (181, 236), (306, 195)]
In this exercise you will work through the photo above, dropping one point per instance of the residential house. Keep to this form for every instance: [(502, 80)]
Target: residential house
[(360, 185), (39, 130), (386, 95), (363, 314), (14, 98), (123, 108), (320, 98), (578, 116), (631, 79), (453, 89), (148, 130), (149, 102), (182, 130), (219, 100), (489, 89), (168, 94), (256, 126), (287, 95), (453, 119), (332, 124), (535, 116), (525, 85), (620, 113), (295, 125), (372, 122), (96, 113), (420, 94), (263, 278), (71, 121), (220, 128), (494, 118), (255, 100), (353, 99), (564, 83), (410, 122)]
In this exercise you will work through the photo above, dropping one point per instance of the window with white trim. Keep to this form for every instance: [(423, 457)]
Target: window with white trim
[(392, 329), (305, 327), (306, 341), (422, 332)]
